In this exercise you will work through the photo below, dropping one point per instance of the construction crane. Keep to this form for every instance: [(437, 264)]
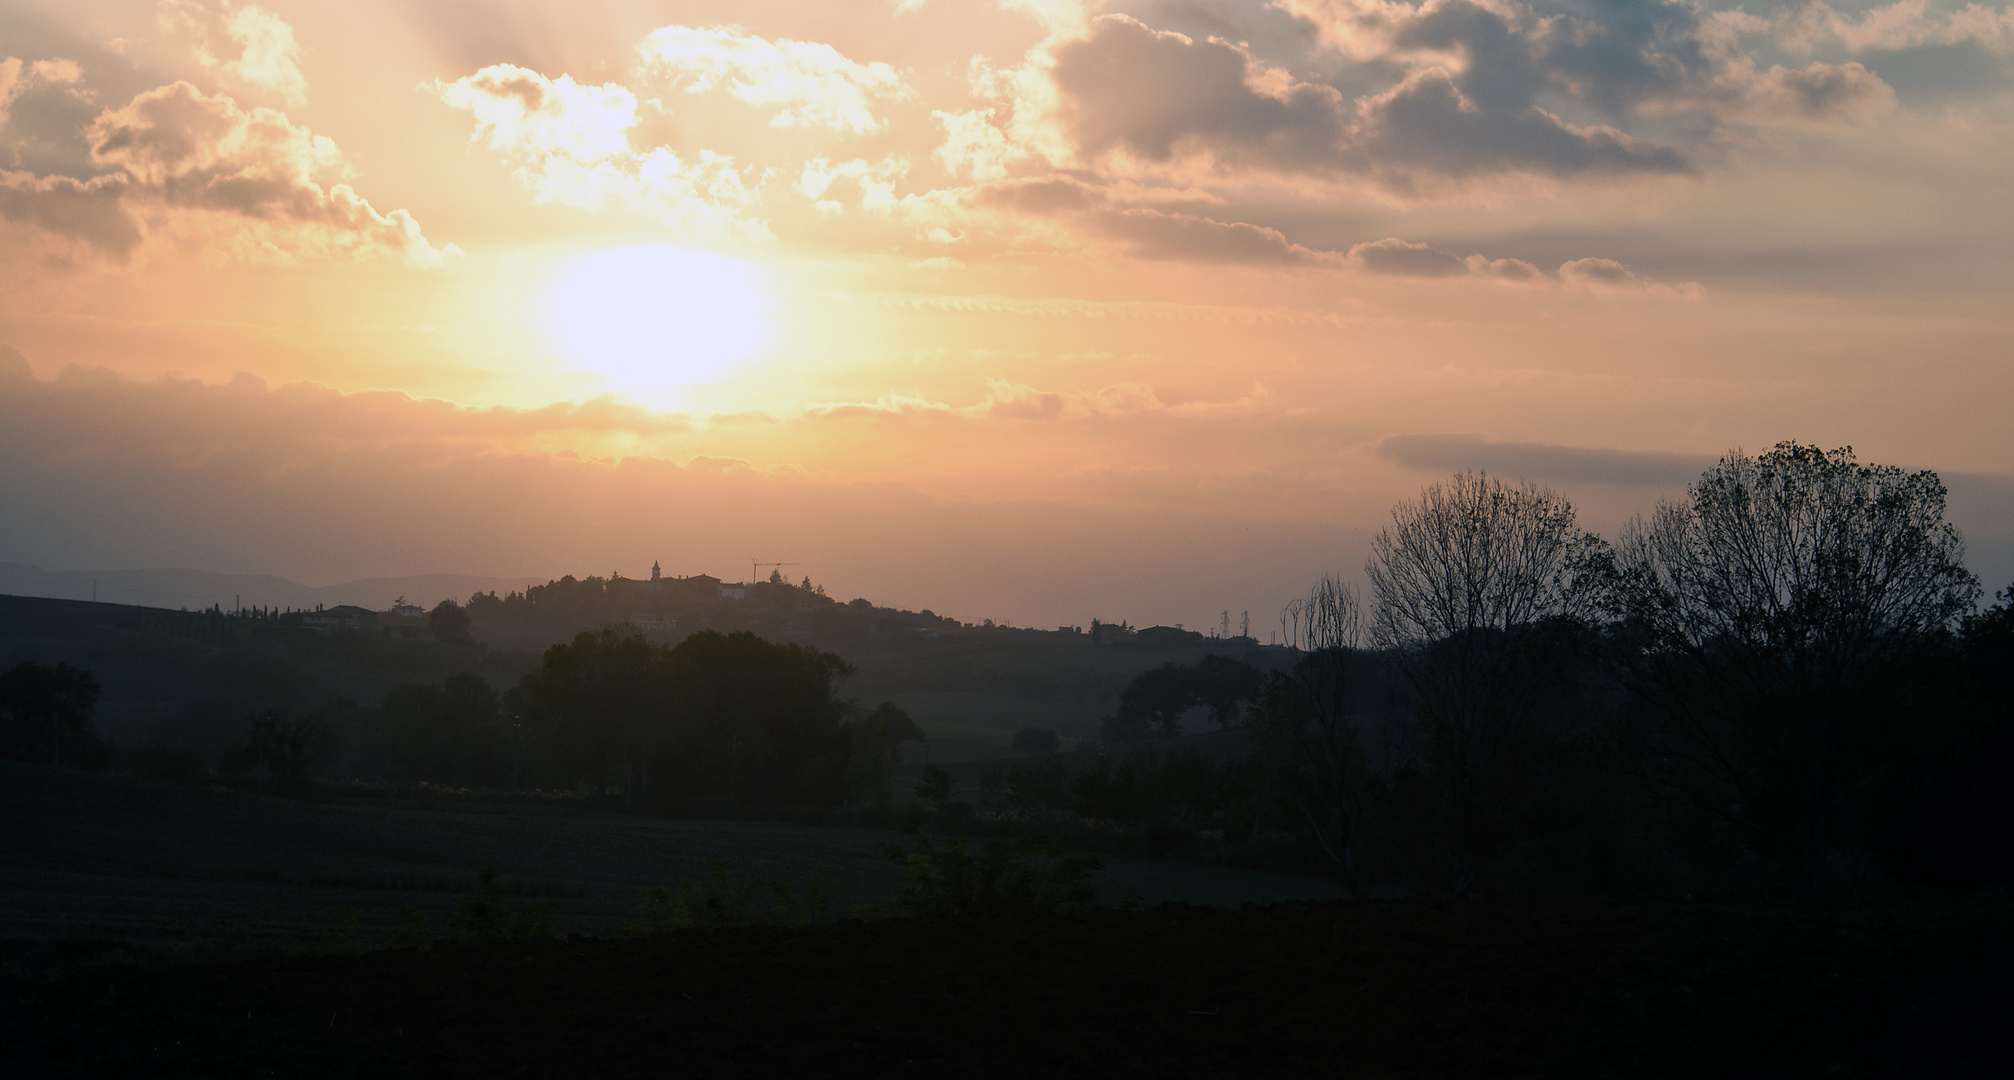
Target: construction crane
[(755, 569)]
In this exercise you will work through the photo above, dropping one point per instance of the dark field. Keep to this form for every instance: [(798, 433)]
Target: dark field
[(1645, 988), (159, 930), (180, 866)]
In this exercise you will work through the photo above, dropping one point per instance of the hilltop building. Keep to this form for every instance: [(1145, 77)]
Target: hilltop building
[(343, 618)]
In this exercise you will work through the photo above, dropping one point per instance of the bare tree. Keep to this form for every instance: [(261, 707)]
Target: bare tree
[(1308, 725), (1770, 606), (1479, 584), (1474, 553)]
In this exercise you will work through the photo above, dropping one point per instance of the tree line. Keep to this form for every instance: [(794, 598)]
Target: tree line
[(717, 718), (1782, 678)]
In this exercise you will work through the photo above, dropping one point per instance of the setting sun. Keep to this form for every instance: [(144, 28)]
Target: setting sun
[(649, 320)]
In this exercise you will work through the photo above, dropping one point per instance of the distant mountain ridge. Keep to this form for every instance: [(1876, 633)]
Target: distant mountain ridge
[(196, 589)]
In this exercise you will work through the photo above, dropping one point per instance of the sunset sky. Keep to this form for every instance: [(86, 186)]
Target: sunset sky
[(1033, 310)]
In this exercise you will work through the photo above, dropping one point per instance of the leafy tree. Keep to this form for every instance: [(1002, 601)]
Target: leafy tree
[(1039, 787), (1952, 813), (757, 721), (875, 745), (1114, 796), (289, 747), (448, 734), (1155, 701), (719, 716), (1152, 704), (450, 623), (46, 714), (602, 704), (1774, 612), (1223, 685), (1037, 742)]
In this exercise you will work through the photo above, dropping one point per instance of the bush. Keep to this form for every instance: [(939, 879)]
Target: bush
[(1021, 878), (934, 786), (485, 919), (722, 899), (167, 764), (413, 932)]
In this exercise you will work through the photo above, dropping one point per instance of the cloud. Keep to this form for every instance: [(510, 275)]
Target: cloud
[(1536, 461), (18, 76), (1158, 95), (1395, 256), (1405, 259), (1155, 234), (526, 116), (1017, 401), (1889, 27), (974, 148), (268, 57), (91, 211), (889, 407), (570, 145), (1003, 400), (184, 165), (1076, 308), (1129, 87), (1150, 233), (809, 84), (1608, 275), (1820, 92)]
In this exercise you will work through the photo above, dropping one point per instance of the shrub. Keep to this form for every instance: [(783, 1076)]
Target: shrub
[(723, 899), (413, 932), (485, 918), (166, 764), (934, 786), (1021, 878)]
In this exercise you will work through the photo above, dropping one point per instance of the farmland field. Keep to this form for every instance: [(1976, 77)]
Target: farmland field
[(1637, 987), (114, 858)]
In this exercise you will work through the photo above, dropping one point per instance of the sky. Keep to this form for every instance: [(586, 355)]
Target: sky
[(1032, 310)]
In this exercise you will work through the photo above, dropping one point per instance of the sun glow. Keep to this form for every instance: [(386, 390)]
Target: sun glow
[(654, 320)]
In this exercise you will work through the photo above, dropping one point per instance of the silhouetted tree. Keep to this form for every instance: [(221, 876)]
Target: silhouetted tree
[(756, 721), (1037, 742), (449, 623), (1115, 796), (934, 786), (1307, 726), (601, 703), (1773, 614), (288, 746), (46, 715), (448, 734), (1479, 585), (1153, 703), (1223, 685), (876, 746), (1039, 786)]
